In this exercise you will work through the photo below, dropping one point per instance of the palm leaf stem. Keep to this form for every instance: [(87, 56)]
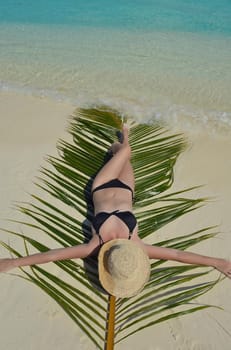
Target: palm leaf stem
[(110, 325)]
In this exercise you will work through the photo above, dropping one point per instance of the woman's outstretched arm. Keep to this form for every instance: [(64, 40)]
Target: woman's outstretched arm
[(79, 251), (155, 252)]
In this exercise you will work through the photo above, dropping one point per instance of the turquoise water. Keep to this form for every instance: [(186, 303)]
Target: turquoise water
[(155, 15), (166, 59)]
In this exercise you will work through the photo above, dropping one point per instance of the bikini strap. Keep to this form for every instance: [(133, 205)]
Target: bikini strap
[(101, 241)]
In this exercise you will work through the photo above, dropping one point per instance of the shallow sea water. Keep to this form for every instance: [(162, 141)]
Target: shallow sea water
[(156, 60)]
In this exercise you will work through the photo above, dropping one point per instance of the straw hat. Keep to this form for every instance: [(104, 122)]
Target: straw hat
[(124, 267)]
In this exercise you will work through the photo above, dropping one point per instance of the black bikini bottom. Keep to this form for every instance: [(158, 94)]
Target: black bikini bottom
[(113, 183)]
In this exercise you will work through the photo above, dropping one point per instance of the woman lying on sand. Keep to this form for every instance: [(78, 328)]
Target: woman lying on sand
[(123, 256)]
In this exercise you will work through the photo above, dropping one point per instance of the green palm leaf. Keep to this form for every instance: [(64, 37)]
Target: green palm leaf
[(67, 182)]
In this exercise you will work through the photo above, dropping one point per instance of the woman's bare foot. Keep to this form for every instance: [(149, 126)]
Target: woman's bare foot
[(123, 138), (125, 134), (115, 147)]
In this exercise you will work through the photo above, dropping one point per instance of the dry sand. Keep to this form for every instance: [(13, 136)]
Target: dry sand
[(29, 319)]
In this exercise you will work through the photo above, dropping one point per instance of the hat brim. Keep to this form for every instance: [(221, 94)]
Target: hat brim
[(124, 288)]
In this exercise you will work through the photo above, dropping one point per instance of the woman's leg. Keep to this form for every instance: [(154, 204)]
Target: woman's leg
[(115, 166), (127, 175)]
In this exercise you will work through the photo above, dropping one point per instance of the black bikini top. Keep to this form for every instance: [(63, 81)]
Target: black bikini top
[(126, 216)]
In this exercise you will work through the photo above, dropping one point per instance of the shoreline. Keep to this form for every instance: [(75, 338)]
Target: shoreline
[(29, 132), (178, 116)]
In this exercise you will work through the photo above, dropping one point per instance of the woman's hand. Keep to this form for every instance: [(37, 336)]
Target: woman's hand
[(6, 264), (224, 266)]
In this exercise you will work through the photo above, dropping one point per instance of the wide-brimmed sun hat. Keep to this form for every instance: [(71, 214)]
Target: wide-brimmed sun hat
[(124, 267)]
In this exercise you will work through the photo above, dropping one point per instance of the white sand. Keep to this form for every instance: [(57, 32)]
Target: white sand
[(29, 319)]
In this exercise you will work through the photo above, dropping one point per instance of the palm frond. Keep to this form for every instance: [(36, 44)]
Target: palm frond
[(67, 182)]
